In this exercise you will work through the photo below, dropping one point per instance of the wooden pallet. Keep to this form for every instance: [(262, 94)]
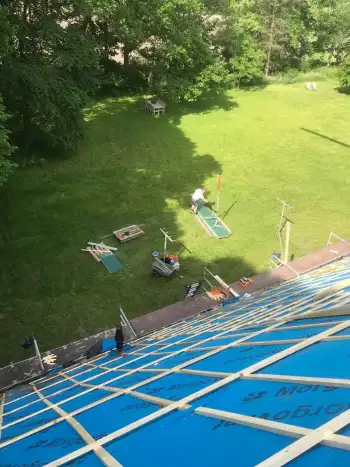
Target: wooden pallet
[(128, 233)]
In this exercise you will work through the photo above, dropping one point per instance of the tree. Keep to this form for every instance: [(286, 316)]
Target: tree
[(47, 77), (6, 165), (344, 74), (167, 41), (247, 65)]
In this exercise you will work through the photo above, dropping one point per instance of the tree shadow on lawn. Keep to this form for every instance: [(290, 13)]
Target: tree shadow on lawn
[(209, 103), (131, 168), (343, 89)]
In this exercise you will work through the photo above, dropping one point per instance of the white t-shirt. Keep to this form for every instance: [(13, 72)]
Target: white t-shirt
[(198, 194)]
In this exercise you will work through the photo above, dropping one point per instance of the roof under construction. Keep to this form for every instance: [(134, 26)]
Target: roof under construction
[(262, 381)]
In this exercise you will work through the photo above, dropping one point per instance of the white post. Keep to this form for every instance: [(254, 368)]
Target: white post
[(37, 353), (166, 238), (286, 246), (284, 204)]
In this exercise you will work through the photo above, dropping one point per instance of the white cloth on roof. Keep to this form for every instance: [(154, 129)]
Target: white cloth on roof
[(198, 194)]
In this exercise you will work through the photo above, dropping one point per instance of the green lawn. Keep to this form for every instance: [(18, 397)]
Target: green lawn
[(133, 168)]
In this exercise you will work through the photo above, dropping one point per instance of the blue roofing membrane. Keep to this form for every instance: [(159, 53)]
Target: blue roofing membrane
[(246, 384)]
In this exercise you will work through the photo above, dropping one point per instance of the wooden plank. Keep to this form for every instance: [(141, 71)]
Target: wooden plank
[(102, 245), (341, 311), (323, 433), (156, 400), (254, 422), (343, 337), (106, 458), (306, 326), (335, 382), (262, 343), (269, 425), (94, 255), (213, 374), (334, 288)]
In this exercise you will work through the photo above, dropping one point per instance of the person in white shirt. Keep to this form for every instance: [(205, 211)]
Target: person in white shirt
[(198, 195)]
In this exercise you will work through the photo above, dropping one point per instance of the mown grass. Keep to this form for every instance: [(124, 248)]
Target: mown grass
[(277, 142)]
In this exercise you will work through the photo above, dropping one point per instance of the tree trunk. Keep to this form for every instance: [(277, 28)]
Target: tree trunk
[(271, 37)]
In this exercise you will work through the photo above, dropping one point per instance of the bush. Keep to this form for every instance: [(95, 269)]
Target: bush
[(247, 68), (344, 73)]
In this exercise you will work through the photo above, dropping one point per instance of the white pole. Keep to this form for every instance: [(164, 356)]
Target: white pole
[(37, 353), (286, 247), (166, 238), (284, 204)]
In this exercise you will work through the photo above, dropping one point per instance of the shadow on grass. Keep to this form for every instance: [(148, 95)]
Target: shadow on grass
[(131, 168), (345, 145), (343, 90), (254, 87)]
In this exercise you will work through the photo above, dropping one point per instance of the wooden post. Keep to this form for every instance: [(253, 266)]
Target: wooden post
[(286, 245)]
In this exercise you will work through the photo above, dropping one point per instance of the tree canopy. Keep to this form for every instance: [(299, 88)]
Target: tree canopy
[(57, 54)]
